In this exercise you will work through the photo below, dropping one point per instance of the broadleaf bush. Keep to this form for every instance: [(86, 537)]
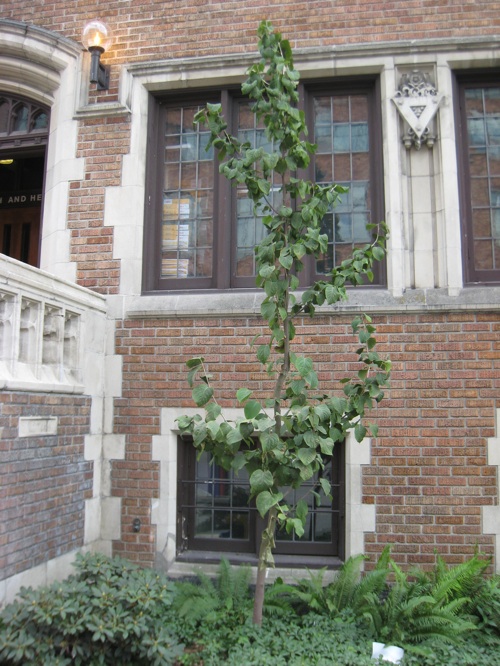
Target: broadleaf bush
[(109, 612)]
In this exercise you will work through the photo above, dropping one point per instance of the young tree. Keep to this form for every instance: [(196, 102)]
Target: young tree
[(285, 441)]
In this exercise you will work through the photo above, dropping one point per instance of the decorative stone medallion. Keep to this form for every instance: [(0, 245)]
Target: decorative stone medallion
[(417, 100)]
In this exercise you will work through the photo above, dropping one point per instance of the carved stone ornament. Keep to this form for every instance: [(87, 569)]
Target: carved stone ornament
[(417, 100)]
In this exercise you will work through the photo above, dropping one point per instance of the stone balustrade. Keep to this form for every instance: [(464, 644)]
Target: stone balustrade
[(48, 328)]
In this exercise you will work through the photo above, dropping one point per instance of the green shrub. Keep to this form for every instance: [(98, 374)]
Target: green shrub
[(110, 612)]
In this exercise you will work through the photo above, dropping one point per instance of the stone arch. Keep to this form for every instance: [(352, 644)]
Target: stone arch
[(32, 60)]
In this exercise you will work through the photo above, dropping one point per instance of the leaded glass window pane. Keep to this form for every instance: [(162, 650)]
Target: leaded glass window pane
[(341, 132), (482, 110), (187, 216)]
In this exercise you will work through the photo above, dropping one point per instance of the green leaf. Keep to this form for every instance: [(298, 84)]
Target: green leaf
[(243, 394), (263, 353), (268, 310), (261, 480), (332, 294), (269, 441), (322, 411), (199, 433), (325, 485), (213, 411), (304, 365), (234, 436), (295, 525), (252, 408), (339, 404), (184, 422), (297, 386), (312, 379), (266, 500), (311, 438), (246, 429), (301, 510), (326, 446), (359, 432), (263, 423), (267, 271), (378, 252), (239, 461), (306, 456), (195, 362), (306, 472), (202, 394), (286, 259), (213, 428)]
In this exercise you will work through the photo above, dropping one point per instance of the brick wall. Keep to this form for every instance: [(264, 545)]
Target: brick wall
[(102, 144), (45, 480), (146, 30), (429, 476)]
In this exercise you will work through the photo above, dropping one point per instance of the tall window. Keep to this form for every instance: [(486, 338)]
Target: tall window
[(479, 157), (201, 231), (214, 513)]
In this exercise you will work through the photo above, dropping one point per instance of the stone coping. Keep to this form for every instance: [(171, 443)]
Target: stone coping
[(247, 302)]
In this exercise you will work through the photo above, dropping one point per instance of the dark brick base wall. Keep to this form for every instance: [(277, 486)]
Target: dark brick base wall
[(45, 480)]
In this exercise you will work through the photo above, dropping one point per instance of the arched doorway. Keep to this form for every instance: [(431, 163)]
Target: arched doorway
[(24, 129)]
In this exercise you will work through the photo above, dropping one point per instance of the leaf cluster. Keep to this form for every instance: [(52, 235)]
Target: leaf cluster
[(110, 612)]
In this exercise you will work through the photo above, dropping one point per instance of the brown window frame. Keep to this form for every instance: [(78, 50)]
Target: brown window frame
[(224, 230), (191, 548), (462, 82)]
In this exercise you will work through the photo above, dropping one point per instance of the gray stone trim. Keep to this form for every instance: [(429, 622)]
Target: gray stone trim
[(405, 47), (247, 303)]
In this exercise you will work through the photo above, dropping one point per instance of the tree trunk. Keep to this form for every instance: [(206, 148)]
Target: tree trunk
[(265, 558)]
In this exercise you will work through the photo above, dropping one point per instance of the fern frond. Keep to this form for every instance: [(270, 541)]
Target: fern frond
[(204, 599), (462, 580), (343, 588), (280, 599)]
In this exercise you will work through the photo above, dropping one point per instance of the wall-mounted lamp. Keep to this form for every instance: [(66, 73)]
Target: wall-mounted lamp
[(96, 38)]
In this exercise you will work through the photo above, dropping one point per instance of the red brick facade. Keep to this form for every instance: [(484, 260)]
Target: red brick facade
[(429, 476)]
